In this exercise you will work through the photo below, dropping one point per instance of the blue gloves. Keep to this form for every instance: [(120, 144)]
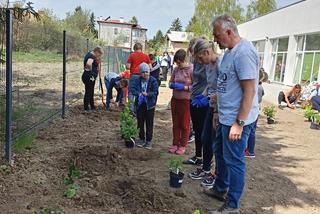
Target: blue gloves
[(177, 86), (200, 101), (142, 99)]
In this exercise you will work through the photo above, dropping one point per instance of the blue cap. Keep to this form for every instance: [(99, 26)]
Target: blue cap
[(144, 67)]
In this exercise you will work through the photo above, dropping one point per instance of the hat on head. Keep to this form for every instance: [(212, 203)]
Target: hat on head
[(144, 67)]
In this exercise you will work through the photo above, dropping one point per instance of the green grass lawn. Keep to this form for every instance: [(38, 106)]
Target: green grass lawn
[(36, 56)]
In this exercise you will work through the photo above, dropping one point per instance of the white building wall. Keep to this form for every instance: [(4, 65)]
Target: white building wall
[(298, 19)]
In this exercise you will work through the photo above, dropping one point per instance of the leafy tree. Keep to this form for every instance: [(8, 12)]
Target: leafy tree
[(92, 25), (260, 7), (159, 37), (134, 20), (206, 10), (176, 25)]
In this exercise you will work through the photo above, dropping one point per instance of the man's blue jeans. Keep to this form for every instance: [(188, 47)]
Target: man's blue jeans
[(316, 102), (252, 139), (230, 163), (109, 94)]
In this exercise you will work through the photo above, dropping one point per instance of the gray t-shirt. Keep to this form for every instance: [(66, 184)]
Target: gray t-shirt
[(199, 79), (238, 63), (212, 76)]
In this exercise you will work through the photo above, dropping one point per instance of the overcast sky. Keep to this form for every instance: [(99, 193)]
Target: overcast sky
[(152, 14)]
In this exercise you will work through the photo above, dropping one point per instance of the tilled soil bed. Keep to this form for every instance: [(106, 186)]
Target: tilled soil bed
[(117, 180)]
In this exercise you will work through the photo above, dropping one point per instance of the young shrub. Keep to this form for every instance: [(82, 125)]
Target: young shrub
[(175, 164), (270, 111), (309, 112)]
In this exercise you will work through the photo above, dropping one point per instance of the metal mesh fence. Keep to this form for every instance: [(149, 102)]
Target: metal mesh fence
[(2, 80), (38, 76)]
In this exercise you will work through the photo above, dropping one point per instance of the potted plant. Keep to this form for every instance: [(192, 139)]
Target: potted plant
[(270, 112), (128, 126), (315, 123), (309, 113), (176, 176)]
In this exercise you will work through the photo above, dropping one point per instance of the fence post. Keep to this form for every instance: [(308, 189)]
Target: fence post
[(87, 45), (9, 38), (64, 73)]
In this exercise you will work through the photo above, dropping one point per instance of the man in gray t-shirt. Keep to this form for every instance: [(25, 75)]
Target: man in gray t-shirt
[(238, 110)]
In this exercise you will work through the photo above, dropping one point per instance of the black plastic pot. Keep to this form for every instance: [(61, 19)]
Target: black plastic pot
[(130, 143), (176, 180), (270, 120), (314, 126)]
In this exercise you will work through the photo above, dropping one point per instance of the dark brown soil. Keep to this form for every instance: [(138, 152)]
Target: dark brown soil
[(117, 180)]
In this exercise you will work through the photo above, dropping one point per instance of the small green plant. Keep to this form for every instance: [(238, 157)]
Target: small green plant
[(270, 111), (128, 127), (309, 112), (175, 164), (196, 212), (316, 118), (69, 180)]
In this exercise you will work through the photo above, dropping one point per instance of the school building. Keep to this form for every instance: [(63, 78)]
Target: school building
[(288, 42)]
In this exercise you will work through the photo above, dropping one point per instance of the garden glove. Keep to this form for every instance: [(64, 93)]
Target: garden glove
[(204, 101), (141, 99), (92, 78), (179, 86)]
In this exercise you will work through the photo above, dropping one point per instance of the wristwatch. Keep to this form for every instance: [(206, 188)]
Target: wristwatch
[(241, 122)]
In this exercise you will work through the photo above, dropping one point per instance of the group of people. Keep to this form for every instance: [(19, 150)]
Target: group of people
[(219, 94)]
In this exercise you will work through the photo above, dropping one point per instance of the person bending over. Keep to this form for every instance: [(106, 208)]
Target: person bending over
[(113, 80), (89, 76), (291, 97), (145, 103)]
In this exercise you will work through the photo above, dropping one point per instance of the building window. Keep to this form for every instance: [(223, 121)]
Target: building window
[(307, 58), (260, 46), (279, 58), (115, 31)]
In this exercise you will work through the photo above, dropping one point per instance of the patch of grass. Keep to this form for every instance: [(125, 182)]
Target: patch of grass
[(36, 56), (24, 142)]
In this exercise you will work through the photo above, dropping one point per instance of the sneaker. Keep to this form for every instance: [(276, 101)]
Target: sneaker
[(213, 192), (224, 209), (191, 139), (140, 143), (181, 150), (193, 161), (173, 149), (198, 174), (248, 155), (148, 145), (208, 181)]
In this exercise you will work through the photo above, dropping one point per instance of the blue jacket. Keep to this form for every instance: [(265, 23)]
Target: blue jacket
[(152, 90)]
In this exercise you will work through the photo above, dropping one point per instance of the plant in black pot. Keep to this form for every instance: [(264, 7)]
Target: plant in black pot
[(270, 112), (315, 123), (128, 126), (176, 174)]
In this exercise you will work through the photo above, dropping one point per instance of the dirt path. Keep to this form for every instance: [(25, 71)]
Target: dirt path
[(282, 179)]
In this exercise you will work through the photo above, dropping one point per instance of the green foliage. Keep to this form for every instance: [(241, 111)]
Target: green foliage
[(71, 191), (206, 10), (24, 142), (176, 25), (260, 7), (316, 118), (175, 164), (134, 20), (270, 111), (196, 212), (158, 43), (69, 180), (45, 34), (36, 56), (128, 126), (309, 112)]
